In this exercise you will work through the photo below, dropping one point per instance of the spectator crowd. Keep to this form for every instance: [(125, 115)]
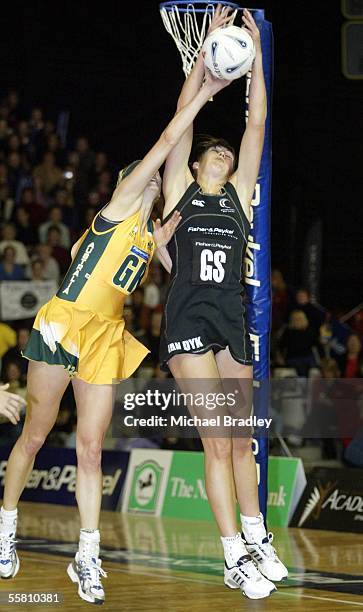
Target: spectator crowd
[(302, 335)]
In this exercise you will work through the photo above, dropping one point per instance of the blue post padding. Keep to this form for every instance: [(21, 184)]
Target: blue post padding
[(257, 266)]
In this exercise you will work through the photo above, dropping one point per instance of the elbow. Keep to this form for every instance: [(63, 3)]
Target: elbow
[(258, 124), (256, 127), (257, 115), (258, 119), (168, 138)]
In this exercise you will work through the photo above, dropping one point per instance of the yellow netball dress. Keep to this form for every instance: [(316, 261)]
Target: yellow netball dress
[(82, 327)]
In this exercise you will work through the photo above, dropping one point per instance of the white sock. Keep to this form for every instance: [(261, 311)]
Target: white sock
[(253, 528), (8, 521), (89, 544), (233, 548)]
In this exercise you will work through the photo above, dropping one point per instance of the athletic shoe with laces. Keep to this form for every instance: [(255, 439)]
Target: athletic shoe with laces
[(245, 576), (9, 560), (266, 559), (88, 576)]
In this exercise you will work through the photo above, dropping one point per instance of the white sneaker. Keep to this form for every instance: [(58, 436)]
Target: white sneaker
[(266, 559), (9, 560), (245, 576), (87, 575)]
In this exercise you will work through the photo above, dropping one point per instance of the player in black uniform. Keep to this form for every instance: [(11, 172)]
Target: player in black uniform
[(204, 330)]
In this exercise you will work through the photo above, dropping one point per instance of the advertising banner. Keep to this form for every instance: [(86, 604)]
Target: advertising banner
[(53, 478), (185, 495), (172, 484), (333, 499), (146, 481)]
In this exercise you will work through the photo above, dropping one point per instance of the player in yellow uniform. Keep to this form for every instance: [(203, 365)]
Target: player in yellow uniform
[(82, 327), (80, 332)]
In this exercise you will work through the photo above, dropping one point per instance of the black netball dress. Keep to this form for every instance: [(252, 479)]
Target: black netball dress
[(204, 308)]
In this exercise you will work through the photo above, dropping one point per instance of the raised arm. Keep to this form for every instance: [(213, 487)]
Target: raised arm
[(128, 194), (245, 177), (177, 176)]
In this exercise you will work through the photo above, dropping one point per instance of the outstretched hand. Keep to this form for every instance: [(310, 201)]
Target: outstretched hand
[(214, 84), (10, 404), (250, 26), (164, 233), (222, 16)]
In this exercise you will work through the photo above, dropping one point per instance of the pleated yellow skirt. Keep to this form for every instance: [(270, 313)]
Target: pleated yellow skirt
[(87, 344)]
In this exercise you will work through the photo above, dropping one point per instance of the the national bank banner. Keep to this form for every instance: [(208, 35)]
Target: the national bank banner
[(257, 262), (53, 479), (172, 484)]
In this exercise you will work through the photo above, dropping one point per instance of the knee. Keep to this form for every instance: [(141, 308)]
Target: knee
[(89, 454), (242, 447), (218, 448), (31, 443)]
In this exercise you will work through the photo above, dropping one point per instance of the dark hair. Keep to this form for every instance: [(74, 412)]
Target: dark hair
[(7, 248), (54, 207), (36, 261), (53, 228), (205, 142), (15, 363)]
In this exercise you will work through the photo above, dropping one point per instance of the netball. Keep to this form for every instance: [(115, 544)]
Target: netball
[(229, 52)]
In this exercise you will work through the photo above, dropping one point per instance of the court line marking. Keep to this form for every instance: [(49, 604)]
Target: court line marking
[(353, 603), (201, 581)]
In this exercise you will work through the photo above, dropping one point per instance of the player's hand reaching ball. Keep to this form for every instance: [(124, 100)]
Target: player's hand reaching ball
[(250, 26), (214, 84), (221, 17)]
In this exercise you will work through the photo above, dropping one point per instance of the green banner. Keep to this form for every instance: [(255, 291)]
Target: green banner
[(171, 484), (185, 495)]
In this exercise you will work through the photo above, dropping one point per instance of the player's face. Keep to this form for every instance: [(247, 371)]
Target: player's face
[(219, 160)]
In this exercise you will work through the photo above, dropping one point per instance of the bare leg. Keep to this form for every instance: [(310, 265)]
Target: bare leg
[(94, 412), (244, 465), (45, 388), (218, 451)]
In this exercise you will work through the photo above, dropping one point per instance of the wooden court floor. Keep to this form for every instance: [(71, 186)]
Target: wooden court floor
[(162, 564)]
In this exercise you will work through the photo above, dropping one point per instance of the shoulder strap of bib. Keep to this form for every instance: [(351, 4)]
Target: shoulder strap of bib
[(231, 191)]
